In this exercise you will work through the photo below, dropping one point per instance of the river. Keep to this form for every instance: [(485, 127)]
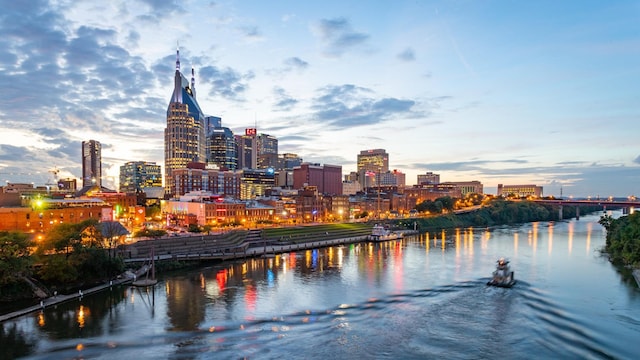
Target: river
[(422, 297)]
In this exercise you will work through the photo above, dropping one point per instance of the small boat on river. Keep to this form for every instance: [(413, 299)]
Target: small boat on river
[(381, 233), (502, 275)]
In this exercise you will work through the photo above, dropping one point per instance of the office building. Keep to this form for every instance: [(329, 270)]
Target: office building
[(184, 136), (222, 150), (519, 190), (267, 151), (247, 149), (137, 175), (372, 163), (91, 163), (428, 178), (327, 179)]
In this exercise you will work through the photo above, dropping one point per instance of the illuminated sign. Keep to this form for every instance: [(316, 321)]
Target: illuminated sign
[(250, 132)]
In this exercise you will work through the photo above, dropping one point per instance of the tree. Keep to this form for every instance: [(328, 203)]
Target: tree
[(15, 258)]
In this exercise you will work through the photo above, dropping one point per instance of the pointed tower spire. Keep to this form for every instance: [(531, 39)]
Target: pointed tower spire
[(178, 57), (193, 81), (177, 80)]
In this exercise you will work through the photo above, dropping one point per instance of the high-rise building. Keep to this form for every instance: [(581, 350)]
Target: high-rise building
[(221, 148), (372, 163), (91, 163), (267, 151), (247, 149), (184, 136), (137, 175)]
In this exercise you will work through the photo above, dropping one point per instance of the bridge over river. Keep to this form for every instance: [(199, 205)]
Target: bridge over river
[(627, 206)]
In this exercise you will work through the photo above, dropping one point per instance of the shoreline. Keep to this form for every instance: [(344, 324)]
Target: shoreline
[(636, 275), (269, 251)]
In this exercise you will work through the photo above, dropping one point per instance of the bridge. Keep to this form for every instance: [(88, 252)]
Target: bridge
[(628, 206)]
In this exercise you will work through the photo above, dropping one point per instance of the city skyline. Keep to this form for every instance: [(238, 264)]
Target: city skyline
[(503, 93)]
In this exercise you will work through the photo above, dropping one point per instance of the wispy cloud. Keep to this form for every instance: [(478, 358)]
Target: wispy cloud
[(407, 54), (348, 106), (339, 37), (284, 101), (226, 82)]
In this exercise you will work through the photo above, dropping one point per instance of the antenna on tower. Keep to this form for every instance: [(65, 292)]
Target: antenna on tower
[(178, 55)]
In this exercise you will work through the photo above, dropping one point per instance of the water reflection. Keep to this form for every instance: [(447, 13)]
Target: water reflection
[(423, 296)]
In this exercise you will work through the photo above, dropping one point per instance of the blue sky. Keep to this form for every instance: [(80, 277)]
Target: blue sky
[(509, 92)]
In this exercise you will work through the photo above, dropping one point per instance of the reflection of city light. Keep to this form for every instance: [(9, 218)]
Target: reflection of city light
[(79, 347), (81, 315), (41, 319)]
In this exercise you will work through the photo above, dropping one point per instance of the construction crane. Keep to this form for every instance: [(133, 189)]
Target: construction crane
[(53, 185)]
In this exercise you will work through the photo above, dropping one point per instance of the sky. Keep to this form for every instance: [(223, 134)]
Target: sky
[(502, 92)]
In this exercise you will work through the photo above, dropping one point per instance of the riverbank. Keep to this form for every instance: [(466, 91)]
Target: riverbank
[(127, 278)]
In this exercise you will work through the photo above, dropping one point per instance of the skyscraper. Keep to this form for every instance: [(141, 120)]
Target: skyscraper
[(372, 163), (222, 149), (267, 151), (247, 145), (184, 136), (91, 163)]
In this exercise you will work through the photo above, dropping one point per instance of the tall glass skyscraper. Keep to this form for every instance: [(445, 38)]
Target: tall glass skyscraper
[(221, 148), (91, 163), (184, 136)]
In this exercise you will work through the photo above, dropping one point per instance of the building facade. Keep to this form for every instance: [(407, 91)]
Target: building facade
[(371, 163), (466, 187), (247, 149), (222, 150), (327, 179), (184, 136), (428, 178), (520, 190), (197, 177), (91, 163), (137, 175)]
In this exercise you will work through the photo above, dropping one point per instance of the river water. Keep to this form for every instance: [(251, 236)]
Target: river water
[(422, 297)]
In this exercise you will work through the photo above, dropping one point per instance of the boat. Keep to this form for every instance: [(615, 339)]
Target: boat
[(381, 233), (151, 268), (502, 275)]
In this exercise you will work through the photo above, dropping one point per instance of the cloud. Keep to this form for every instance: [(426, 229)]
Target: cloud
[(350, 106), (284, 102), (227, 83), (296, 63), (338, 36), (160, 9), (407, 55), (251, 33)]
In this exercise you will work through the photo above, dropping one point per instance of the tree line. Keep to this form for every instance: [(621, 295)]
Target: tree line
[(623, 239), (69, 256)]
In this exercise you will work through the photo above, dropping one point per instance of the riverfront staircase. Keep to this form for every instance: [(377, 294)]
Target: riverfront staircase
[(236, 243)]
